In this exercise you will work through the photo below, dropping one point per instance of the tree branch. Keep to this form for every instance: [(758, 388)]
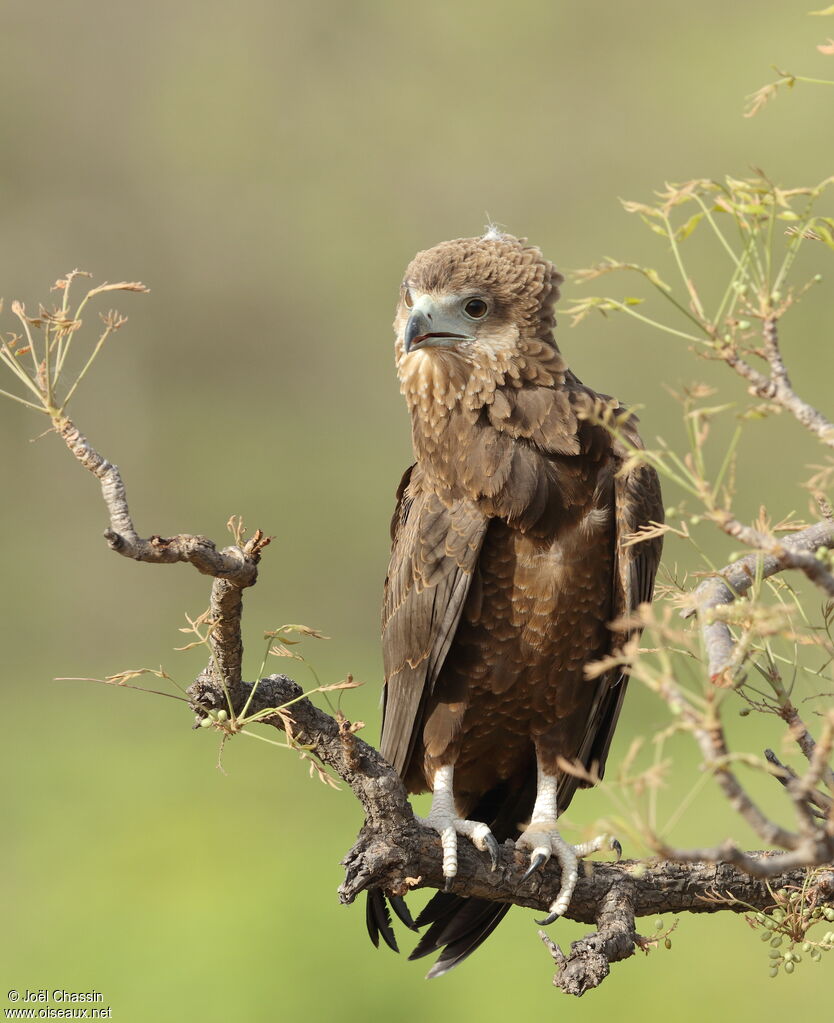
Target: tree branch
[(590, 958), (395, 853), (233, 568), (777, 387), (735, 580)]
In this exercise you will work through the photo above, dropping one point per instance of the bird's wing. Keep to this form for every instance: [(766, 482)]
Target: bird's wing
[(637, 503), (433, 559)]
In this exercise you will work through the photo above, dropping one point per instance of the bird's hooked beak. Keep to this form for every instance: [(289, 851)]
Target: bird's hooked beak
[(432, 324)]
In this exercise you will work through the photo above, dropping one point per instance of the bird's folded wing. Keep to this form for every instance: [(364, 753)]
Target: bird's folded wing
[(638, 503), (433, 559)]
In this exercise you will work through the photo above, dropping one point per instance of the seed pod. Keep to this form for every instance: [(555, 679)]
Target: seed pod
[(777, 941), (788, 967), (205, 723), (222, 715), (774, 971)]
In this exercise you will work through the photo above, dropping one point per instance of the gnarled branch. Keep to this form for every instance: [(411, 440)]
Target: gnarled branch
[(733, 581), (395, 853), (776, 387), (233, 568)]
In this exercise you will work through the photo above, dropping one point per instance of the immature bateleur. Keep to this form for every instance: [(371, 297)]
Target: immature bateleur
[(508, 565)]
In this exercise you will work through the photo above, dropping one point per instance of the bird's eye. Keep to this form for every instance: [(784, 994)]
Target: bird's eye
[(476, 308), (408, 298)]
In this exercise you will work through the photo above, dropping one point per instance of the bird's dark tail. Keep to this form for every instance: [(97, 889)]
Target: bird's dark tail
[(458, 925), (378, 917)]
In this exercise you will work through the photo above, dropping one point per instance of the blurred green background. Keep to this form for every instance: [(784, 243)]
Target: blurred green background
[(268, 170)]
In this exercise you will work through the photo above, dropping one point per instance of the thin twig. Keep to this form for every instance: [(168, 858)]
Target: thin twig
[(777, 388), (233, 568), (734, 580), (810, 846)]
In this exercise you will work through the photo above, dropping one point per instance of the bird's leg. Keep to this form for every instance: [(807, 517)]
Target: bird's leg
[(542, 838), (443, 818)]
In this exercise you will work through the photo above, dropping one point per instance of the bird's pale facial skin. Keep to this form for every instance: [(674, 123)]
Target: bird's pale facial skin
[(438, 321), (462, 322)]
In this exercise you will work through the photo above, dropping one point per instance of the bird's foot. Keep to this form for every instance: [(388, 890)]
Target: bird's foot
[(449, 826), (543, 840)]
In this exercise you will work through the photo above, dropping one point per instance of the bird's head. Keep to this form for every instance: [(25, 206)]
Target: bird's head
[(472, 311)]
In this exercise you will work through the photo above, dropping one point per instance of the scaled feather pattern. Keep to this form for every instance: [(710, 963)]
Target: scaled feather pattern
[(508, 558)]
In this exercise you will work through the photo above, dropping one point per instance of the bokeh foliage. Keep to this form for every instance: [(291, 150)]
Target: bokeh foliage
[(268, 170)]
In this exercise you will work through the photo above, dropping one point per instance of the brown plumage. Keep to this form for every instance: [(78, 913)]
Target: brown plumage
[(508, 560)]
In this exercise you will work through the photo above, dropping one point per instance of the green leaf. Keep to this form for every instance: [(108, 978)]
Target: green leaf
[(655, 227), (654, 277), (826, 235), (685, 230)]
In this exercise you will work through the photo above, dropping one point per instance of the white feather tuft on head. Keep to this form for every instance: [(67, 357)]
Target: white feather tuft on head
[(493, 232)]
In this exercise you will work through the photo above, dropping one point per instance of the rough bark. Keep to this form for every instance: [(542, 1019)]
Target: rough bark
[(395, 853)]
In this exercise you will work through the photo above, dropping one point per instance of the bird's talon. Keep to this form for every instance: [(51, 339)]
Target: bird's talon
[(493, 849), (444, 820), (537, 861), (549, 919)]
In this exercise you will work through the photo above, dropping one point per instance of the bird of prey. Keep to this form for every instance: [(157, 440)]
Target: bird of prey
[(509, 562)]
